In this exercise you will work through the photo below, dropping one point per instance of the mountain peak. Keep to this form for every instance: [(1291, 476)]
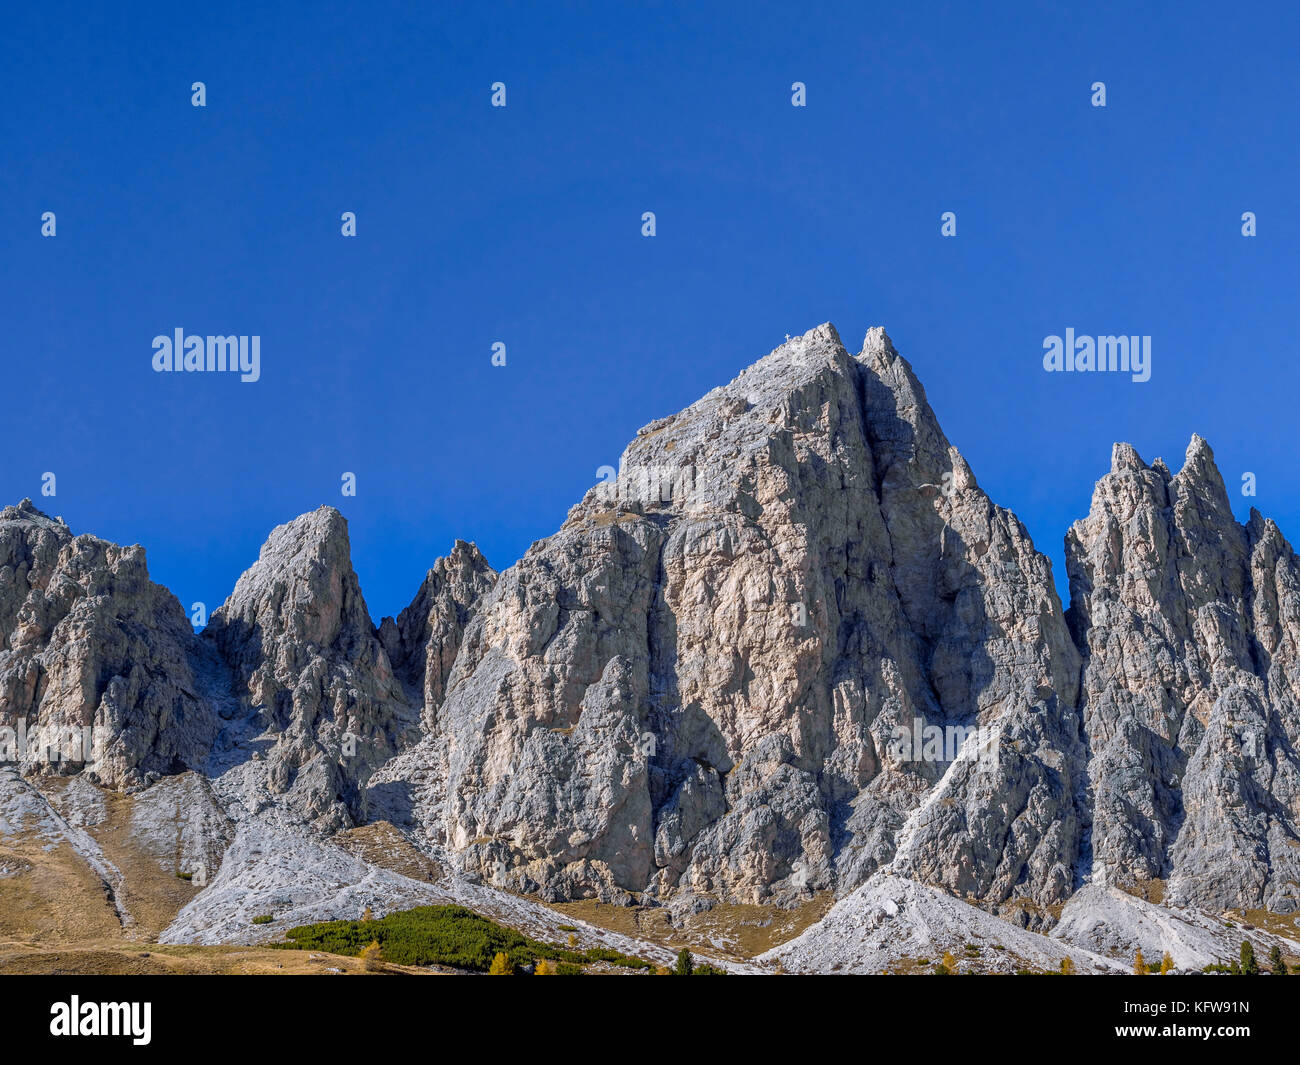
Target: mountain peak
[(324, 525), (1201, 480), (1125, 457), (27, 511), (1199, 455), (877, 346), (698, 688)]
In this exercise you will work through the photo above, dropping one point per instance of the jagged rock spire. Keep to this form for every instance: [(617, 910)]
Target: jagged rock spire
[(423, 641), (1188, 623), (305, 655), (792, 643)]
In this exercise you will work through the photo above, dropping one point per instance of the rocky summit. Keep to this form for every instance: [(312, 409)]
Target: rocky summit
[(789, 650)]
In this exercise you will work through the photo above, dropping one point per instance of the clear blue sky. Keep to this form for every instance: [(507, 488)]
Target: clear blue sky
[(522, 225)]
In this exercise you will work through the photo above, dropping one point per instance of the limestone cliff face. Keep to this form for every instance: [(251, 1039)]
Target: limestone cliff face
[(423, 642), (1190, 624), (305, 655), (88, 641), (789, 644), (695, 684)]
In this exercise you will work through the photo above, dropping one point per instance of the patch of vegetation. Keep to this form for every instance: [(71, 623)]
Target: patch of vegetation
[(1249, 964), (185, 876), (1151, 890), (372, 958), (264, 918), (687, 966), (447, 935)]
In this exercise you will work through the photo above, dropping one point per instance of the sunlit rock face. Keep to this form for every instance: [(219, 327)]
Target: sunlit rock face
[(696, 684), (787, 645), (1190, 624), (305, 655), (97, 663)]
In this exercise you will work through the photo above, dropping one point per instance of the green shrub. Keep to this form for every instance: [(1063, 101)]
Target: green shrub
[(264, 918), (446, 935)]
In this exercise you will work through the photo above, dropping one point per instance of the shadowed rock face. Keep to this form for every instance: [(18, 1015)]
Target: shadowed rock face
[(303, 651), (87, 640), (701, 683), (1190, 624), (698, 689), (423, 642)]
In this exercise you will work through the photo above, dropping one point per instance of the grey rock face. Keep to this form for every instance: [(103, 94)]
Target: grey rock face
[(305, 653), (1190, 625), (696, 683), (87, 640), (423, 642), (788, 646)]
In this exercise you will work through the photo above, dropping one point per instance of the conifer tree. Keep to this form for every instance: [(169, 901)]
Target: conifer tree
[(1139, 964), (501, 966), (1275, 961), (372, 958), (1166, 964), (1249, 966)]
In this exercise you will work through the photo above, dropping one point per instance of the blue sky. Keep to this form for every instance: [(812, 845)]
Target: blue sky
[(522, 225)]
